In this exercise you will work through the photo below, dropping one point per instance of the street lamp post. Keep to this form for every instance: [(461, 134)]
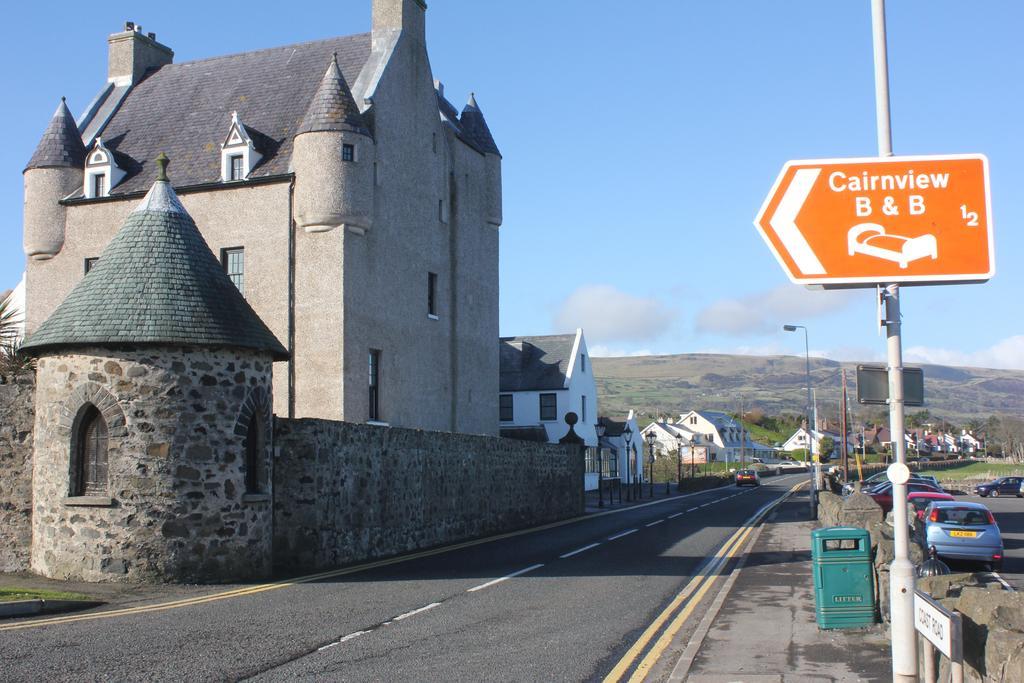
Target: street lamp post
[(651, 439), (810, 426), (628, 435), (679, 463), (599, 428)]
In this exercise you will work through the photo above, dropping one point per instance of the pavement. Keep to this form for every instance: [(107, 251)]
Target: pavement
[(761, 627)]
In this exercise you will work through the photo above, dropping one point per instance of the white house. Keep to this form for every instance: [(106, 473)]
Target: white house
[(798, 441), (728, 439), (16, 304), (667, 438), (541, 380), (623, 449)]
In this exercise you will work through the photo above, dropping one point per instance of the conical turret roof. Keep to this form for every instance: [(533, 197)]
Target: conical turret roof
[(156, 283), (475, 130), (61, 145), (332, 107)]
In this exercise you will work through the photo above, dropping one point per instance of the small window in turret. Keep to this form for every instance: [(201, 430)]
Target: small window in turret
[(90, 263), (348, 152)]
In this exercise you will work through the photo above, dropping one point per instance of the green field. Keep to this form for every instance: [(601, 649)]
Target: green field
[(11, 594), (978, 470)]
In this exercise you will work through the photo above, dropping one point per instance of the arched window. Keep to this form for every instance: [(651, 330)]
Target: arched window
[(91, 454), (254, 454)]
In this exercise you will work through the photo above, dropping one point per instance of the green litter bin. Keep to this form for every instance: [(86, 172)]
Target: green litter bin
[(844, 581)]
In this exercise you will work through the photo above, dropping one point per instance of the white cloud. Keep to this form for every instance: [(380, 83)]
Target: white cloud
[(1007, 354), (768, 311), (608, 315), (602, 351)]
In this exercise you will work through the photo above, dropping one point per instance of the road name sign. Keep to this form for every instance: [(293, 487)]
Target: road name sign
[(940, 626), (881, 220)]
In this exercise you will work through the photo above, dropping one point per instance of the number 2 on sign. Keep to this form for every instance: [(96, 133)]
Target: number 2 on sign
[(971, 217)]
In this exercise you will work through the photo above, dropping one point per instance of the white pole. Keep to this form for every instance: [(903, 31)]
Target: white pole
[(901, 571)]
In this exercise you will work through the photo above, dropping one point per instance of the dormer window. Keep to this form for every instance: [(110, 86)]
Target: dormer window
[(101, 172), (238, 155)]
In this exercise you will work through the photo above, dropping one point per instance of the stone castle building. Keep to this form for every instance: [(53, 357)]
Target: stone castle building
[(350, 203), (153, 428)]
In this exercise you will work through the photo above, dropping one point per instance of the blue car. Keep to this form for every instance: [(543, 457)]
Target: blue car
[(960, 530)]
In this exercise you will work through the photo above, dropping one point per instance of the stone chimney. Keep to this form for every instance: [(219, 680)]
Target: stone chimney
[(133, 53), (407, 16)]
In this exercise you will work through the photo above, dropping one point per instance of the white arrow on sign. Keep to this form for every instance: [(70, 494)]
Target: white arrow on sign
[(784, 221)]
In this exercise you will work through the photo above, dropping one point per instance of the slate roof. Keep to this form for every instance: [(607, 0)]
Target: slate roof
[(156, 283), (185, 109), (475, 130), (332, 107), (61, 145), (534, 363)]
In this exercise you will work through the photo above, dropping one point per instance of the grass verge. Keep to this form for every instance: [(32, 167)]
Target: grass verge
[(11, 594)]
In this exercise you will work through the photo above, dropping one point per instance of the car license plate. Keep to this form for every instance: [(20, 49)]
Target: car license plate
[(959, 533)]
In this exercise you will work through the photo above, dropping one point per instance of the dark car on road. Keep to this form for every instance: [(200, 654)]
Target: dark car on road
[(1003, 486), (747, 478)]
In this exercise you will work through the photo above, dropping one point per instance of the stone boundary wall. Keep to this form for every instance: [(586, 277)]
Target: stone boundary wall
[(17, 415), (347, 492)]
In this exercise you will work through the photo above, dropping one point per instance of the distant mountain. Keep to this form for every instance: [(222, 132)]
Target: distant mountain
[(777, 384)]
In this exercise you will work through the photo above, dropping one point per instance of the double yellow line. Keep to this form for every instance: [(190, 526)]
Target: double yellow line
[(691, 594)]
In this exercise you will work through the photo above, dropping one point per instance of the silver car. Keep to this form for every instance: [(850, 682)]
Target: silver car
[(962, 530)]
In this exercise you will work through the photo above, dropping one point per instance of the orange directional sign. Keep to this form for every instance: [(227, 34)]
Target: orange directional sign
[(863, 222)]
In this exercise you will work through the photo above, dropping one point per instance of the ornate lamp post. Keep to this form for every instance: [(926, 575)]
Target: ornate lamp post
[(628, 435), (599, 428), (679, 463), (652, 438)]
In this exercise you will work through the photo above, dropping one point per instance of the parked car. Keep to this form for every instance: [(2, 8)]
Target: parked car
[(879, 478), (747, 478), (1003, 486), (961, 530), (883, 494), (922, 499), (924, 459)]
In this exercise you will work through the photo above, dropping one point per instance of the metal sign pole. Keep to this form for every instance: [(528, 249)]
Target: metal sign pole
[(901, 571)]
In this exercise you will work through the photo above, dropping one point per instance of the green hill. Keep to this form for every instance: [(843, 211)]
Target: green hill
[(655, 385)]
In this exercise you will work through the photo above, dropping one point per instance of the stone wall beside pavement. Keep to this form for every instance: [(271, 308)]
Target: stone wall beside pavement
[(993, 625), (17, 413), (347, 492)]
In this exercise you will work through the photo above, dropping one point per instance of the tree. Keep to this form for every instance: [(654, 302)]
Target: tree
[(12, 360), (825, 447)]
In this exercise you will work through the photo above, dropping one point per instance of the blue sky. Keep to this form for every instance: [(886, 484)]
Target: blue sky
[(639, 141)]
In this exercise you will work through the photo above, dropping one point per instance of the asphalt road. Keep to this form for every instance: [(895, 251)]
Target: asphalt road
[(563, 603)]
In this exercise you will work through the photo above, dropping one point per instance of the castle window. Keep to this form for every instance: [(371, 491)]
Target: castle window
[(583, 362), (505, 408), (254, 455), (90, 455), (238, 153), (374, 384), (548, 407), (237, 167), (101, 172), (348, 152), (432, 295), (233, 261), (90, 263), (583, 409)]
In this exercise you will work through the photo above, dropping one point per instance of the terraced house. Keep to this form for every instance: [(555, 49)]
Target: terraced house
[(355, 208)]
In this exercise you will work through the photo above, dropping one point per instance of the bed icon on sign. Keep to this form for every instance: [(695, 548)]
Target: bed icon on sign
[(871, 239)]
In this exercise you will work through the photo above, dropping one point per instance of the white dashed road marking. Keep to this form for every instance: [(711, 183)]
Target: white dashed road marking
[(579, 550), (505, 578), (620, 535)]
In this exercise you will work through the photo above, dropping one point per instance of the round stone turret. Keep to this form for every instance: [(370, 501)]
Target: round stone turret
[(54, 172), (153, 432), (333, 161)]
